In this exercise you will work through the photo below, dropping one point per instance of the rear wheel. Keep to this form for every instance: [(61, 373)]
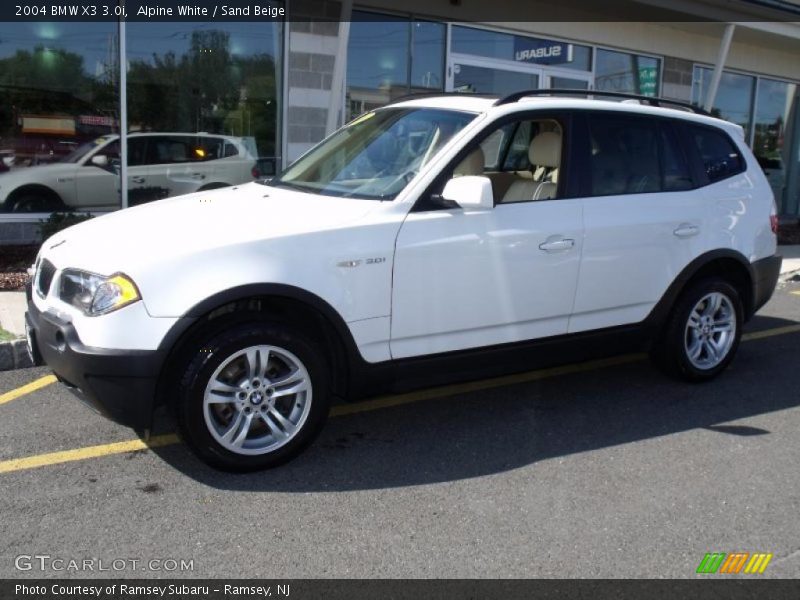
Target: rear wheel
[(254, 396), (703, 332)]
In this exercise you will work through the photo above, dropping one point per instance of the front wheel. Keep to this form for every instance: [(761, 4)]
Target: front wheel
[(253, 397), (703, 332)]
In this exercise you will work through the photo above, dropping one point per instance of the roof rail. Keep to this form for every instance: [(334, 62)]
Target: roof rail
[(416, 95), (651, 100)]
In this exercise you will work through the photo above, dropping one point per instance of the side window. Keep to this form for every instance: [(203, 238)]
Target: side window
[(721, 158), (230, 150), (517, 155), (624, 155), (136, 149), (168, 149), (111, 151), (676, 176), (494, 145), (208, 148), (530, 164)]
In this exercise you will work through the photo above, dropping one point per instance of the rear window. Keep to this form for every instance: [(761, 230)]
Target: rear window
[(721, 158)]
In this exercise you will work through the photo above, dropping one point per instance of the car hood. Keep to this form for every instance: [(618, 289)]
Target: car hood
[(137, 238)]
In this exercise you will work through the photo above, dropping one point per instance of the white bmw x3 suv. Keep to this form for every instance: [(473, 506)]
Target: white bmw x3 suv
[(435, 239), (160, 165)]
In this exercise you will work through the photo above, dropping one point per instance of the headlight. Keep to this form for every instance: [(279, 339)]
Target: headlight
[(95, 294)]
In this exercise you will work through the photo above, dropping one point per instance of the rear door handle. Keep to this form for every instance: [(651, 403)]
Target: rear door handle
[(137, 179), (557, 245), (686, 230)]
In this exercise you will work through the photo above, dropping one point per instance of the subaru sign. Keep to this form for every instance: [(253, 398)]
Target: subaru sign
[(541, 52)]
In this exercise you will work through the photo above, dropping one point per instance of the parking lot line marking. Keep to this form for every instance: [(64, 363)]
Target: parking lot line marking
[(796, 292), (27, 388), (757, 335), (54, 458), (169, 439)]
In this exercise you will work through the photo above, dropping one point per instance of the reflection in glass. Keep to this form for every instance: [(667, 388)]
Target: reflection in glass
[(629, 73), (480, 80), (390, 58), (427, 58), (199, 79), (773, 107), (734, 100), (522, 49), (567, 83), (58, 93), (377, 155)]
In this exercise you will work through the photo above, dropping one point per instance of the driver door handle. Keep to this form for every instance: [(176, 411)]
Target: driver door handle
[(137, 179), (686, 230), (557, 245)]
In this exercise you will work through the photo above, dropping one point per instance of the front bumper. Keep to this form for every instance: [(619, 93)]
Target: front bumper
[(120, 384), (765, 277)]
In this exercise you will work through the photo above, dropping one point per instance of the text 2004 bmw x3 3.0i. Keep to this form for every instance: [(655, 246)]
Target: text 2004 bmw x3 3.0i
[(431, 240)]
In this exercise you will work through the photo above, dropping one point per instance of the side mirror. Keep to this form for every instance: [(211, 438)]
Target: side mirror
[(470, 191), (100, 160)]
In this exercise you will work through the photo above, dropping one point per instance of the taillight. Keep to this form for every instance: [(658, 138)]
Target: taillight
[(773, 223), (255, 173)]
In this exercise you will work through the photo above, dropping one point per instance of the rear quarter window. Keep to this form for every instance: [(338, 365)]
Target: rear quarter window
[(720, 157)]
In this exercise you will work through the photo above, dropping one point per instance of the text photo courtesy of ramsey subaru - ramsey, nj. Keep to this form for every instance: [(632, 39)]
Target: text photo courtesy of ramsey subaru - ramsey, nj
[(452, 299)]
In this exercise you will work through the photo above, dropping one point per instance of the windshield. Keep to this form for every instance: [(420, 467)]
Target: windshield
[(376, 155), (82, 150)]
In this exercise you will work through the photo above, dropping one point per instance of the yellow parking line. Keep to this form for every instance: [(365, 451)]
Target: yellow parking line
[(54, 458), (27, 388), (758, 335), (796, 292), (41, 460)]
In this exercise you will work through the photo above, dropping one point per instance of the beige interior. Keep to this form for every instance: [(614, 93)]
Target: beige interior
[(538, 183)]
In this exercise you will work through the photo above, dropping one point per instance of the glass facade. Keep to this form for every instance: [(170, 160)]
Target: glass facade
[(623, 72), (774, 101), (521, 49), (202, 111), (391, 58), (59, 93), (202, 106), (483, 80), (204, 100), (734, 100), (767, 110)]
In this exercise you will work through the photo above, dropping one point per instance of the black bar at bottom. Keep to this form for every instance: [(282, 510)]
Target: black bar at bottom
[(706, 586)]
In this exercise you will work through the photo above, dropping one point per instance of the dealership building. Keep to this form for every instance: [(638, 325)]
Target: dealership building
[(199, 100)]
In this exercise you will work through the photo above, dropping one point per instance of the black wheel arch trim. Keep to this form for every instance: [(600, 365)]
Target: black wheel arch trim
[(354, 361), (660, 312), (34, 188)]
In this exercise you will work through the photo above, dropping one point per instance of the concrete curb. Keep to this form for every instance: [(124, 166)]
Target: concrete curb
[(14, 355)]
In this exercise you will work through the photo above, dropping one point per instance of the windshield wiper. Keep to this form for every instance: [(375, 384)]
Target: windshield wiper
[(292, 186)]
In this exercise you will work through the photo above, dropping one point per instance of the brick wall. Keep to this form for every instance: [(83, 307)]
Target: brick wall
[(312, 53), (19, 233), (677, 83)]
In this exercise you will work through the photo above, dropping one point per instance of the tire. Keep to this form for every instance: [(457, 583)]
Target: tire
[(33, 202), (701, 350), (277, 424)]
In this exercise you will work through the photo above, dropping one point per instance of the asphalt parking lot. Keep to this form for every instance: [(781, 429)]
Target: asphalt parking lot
[(597, 470)]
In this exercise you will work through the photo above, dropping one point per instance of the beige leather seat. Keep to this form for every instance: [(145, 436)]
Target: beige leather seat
[(544, 151), (472, 164)]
